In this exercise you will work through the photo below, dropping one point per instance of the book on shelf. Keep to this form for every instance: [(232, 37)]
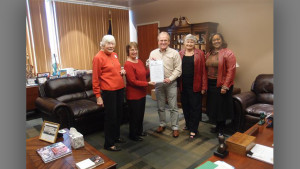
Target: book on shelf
[(53, 151), (90, 162)]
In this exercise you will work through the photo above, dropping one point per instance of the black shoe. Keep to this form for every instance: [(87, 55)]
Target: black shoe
[(136, 138), (120, 140), (192, 136), (220, 134), (143, 134), (185, 128), (113, 148)]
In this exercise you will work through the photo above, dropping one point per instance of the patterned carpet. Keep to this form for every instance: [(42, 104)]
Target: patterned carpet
[(156, 151)]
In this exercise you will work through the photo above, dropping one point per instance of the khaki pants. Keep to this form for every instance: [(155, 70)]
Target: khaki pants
[(169, 91)]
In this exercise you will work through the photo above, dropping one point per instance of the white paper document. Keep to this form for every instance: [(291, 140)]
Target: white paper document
[(262, 153), (223, 165), (156, 71)]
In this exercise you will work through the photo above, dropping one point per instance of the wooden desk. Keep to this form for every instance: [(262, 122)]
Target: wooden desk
[(264, 137), (33, 160), (32, 92)]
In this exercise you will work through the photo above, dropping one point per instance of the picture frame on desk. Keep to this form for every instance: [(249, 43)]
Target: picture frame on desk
[(54, 77), (41, 80), (45, 74), (49, 131), (31, 82)]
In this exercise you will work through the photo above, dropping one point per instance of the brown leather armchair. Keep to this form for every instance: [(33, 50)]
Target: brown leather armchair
[(249, 105)]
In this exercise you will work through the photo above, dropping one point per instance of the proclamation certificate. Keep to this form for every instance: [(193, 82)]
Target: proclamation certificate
[(156, 71)]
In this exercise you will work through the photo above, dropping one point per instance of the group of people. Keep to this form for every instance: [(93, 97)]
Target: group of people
[(196, 74)]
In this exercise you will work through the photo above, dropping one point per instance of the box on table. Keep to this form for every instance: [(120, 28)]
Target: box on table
[(153, 96), (240, 143), (77, 141)]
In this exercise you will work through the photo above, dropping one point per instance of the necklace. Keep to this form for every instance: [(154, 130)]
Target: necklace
[(187, 53), (214, 52)]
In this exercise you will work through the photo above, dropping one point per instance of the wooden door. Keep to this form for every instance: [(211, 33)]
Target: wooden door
[(147, 41)]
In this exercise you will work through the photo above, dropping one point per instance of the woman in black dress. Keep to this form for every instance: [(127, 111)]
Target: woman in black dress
[(220, 64)]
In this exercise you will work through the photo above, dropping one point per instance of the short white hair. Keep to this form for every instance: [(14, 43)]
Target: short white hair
[(190, 37), (107, 39)]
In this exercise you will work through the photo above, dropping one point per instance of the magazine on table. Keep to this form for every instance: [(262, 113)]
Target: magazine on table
[(53, 151), (90, 162)]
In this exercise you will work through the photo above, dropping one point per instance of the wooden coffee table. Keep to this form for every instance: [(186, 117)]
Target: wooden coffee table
[(264, 136), (33, 160)]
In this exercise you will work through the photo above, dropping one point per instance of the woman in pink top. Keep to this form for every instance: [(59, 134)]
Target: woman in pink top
[(136, 90)]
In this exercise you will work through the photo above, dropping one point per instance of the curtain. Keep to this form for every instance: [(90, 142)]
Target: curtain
[(40, 37), (81, 28), (29, 54), (120, 30)]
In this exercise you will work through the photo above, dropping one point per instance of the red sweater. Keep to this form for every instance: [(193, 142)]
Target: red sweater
[(136, 82), (106, 73)]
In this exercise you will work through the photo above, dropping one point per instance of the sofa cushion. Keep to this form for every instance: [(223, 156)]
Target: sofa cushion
[(83, 107), (255, 109), (87, 79), (263, 88), (65, 89)]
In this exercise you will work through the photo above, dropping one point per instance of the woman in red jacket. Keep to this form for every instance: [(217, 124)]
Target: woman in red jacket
[(136, 90), (193, 83), (220, 64), (108, 87)]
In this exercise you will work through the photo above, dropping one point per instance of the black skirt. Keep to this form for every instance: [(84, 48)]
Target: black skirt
[(219, 106)]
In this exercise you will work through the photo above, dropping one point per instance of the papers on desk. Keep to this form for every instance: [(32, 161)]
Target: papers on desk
[(262, 153), (215, 165)]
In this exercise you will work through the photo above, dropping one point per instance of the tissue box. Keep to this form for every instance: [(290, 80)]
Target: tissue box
[(240, 143), (77, 141)]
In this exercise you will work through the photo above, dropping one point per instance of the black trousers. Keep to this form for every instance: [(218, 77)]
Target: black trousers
[(136, 116), (192, 106), (113, 104)]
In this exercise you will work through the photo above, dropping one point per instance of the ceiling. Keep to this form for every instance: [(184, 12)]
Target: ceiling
[(123, 3)]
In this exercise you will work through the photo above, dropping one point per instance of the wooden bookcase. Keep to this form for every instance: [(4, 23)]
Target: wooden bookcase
[(180, 27)]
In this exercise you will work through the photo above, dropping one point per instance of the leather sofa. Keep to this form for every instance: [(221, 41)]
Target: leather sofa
[(70, 101), (249, 105)]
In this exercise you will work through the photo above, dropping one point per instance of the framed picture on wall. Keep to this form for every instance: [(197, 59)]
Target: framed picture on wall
[(49, 131)]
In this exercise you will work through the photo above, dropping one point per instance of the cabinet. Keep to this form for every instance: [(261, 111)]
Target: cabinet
[(180, 27), (32, 92)]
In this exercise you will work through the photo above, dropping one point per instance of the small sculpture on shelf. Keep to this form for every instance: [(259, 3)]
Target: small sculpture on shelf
[(222, 149), (262, 118)]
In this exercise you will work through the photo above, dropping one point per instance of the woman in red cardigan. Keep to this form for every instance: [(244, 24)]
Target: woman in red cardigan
[(193, 83), (108, 87), (220, 63), (136, 90)]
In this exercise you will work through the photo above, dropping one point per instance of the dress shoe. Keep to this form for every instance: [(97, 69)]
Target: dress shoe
[(120, 140), (160, 129), (186, 128), (113, 148), (136, 138), (143, 134), (175, 133)]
